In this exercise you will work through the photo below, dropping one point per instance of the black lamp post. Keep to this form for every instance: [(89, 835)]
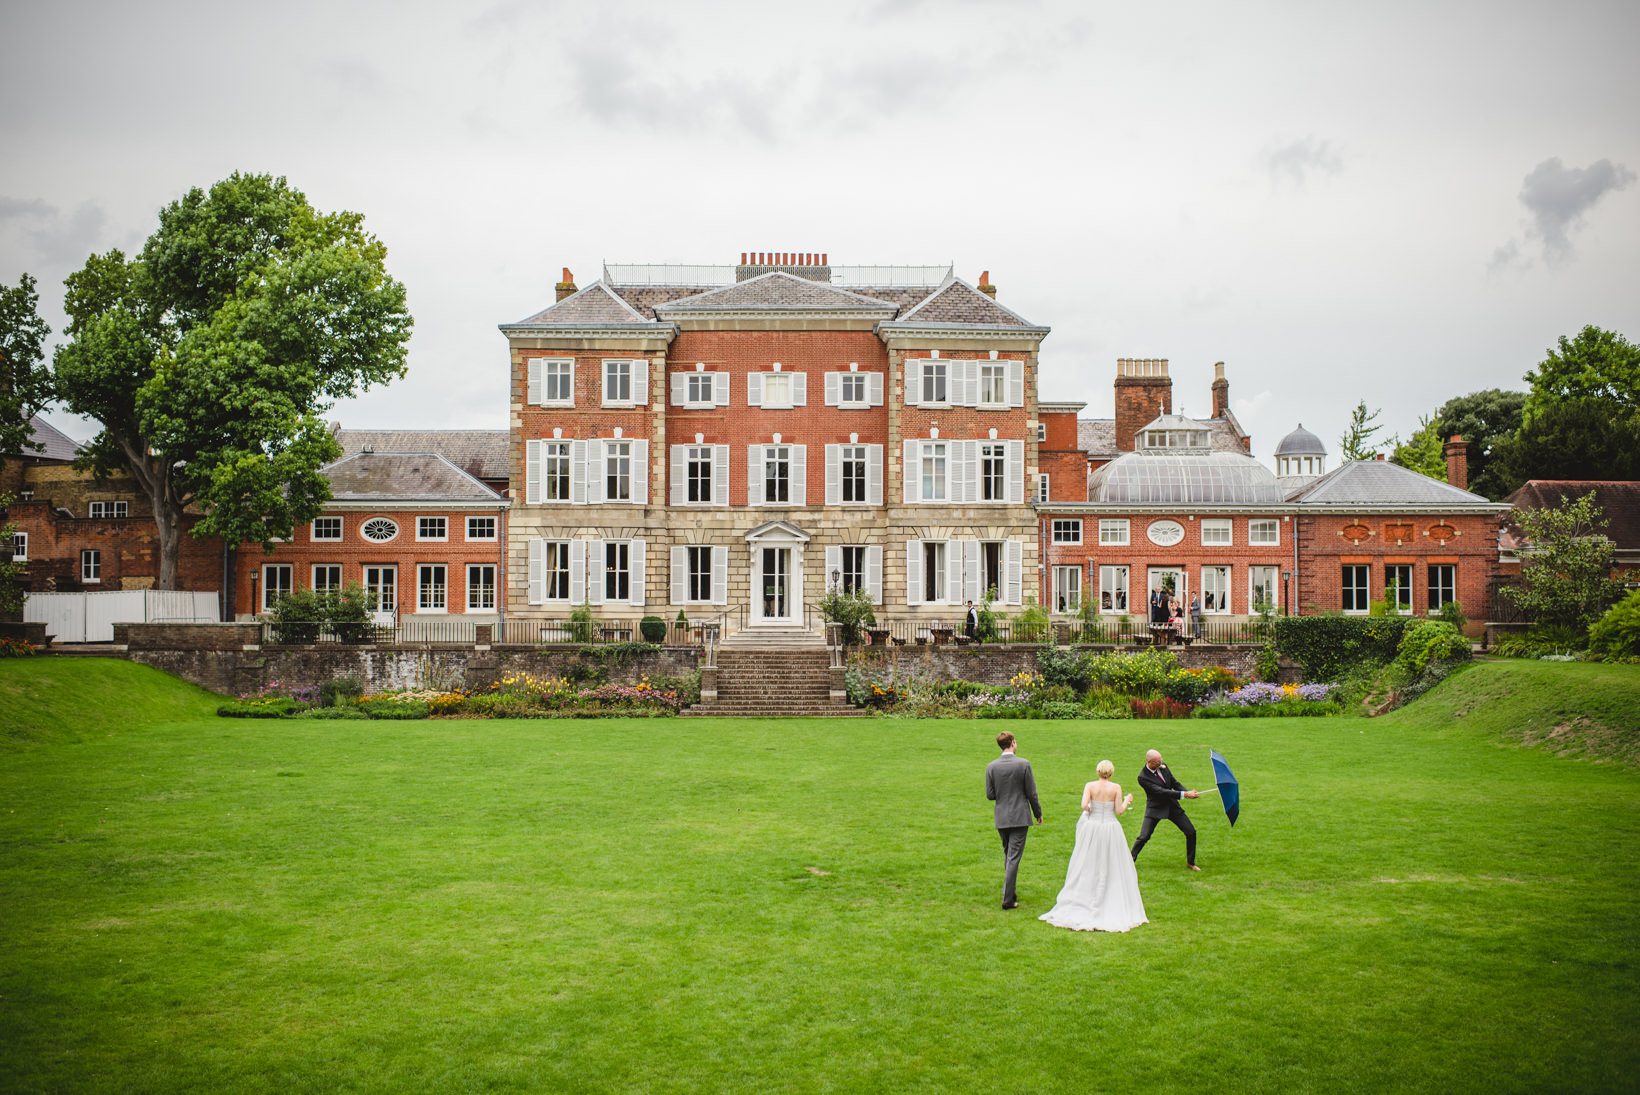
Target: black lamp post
[(836, 576), (254, 608), (1286, 600)]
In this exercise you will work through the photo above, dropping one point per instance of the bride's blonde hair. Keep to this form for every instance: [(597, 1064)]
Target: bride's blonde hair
[(1106, 769)]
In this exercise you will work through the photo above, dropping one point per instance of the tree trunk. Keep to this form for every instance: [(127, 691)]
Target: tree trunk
[(170, 527)]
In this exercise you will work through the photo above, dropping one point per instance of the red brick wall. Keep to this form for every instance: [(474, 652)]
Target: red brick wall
[(129, 547), (1325, 545), (1140, 399), (1060, 457), (404, 551)]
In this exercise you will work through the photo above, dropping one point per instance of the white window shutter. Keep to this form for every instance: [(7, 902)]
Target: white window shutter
[(913, 572), (720, 575), (962, 372), (834, 561), (640, 381), (970, 459), (538, 571), (680, 575), (635, 560), (679, 468), (798, 491), (972, 572), (953, 571), (1016, 383), (874, 573), (577, 571), (874, 389), (533, 385), (754, 475), (754, 389), (720, 475), (913, 485), (640, 473), (874, 475), (720, 389), (595, 472), (834, 389), (834, 473), (596, 561), (680, 389), (532, 471), (1014, 553), (1016, 472), (800, 389), (913, 381), (578, 472), (956, 472)]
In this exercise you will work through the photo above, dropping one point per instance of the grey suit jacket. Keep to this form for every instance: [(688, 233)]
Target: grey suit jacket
[(1010, 784)]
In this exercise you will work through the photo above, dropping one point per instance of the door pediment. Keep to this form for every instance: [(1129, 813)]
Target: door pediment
[(777, 532)]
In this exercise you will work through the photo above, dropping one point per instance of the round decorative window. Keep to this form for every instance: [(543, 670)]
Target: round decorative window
[(1165, 533), (379, 530)]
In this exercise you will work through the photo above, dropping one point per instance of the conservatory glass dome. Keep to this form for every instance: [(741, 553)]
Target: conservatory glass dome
[(1198, 478)]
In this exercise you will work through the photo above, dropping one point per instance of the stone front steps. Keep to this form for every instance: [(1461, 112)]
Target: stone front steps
[(776, 681)]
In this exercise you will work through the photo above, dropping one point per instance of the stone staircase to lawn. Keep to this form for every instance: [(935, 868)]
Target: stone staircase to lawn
[(772, 676)]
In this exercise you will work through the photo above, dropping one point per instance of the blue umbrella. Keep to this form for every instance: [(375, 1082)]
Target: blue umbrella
[(1229, 789)]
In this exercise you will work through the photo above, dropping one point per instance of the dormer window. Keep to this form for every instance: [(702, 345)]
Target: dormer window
[(1176, 439)]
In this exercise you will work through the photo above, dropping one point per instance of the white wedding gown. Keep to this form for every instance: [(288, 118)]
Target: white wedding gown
[(1101, 885)]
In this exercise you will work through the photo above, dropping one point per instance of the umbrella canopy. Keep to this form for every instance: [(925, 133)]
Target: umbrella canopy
[(1229, 789)]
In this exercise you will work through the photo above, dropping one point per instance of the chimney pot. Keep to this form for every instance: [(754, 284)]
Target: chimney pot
[(743, 258), (566, 288), (823, 256), (1456, 452), (985, 285)]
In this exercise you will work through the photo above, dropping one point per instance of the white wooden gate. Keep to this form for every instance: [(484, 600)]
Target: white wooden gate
[(90, 617)]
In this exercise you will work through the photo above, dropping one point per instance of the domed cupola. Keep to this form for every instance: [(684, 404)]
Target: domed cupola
[(1300, 457)]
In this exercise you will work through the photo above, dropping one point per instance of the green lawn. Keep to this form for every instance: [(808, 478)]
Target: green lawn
[(1411, 903)]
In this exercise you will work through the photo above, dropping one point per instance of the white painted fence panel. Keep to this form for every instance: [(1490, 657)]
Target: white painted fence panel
[(90, 617)]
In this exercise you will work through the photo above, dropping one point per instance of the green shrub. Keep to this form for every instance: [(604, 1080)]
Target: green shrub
[(1617, 633), (581, 624), (1065, 667), (985, 629), (339, 691), (348, 712), (1032, 625), (502, 705), (1187, 685), (394, 709), (1104, 704), (1060, 709), (1425, 641), (1140, 674), (1267, 663), (298, 616), (852, 611), (1284, 709), (274, 707), (1327, 646), (653, 629), (1451, 613)]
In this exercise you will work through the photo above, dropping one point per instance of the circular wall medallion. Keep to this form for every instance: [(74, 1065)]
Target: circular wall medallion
[(1165, 533), (379, 530)]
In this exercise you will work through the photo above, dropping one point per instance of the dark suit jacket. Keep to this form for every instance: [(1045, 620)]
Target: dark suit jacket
[(1010, 784), (1161, 790)]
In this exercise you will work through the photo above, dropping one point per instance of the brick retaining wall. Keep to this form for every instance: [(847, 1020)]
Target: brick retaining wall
[(1001, 663)]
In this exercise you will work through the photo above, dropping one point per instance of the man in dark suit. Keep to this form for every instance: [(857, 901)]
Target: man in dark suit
[(970, 622), (1011, 785), (1162, 795)]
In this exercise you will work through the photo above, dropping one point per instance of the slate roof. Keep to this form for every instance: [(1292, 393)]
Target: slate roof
[(776, 291), (595, 306), (1618, 499), (482, 454), (58, 445), (1380, 483), (403, 477), (1301, 442), (957, 302)]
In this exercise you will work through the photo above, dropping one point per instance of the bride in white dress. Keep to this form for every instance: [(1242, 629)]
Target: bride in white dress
[(1101, 885)]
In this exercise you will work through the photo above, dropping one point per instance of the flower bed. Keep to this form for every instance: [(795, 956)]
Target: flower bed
[(516, 696), (1262, 700)]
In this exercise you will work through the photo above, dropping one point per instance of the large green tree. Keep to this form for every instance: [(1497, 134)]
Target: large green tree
[(210, 357), (1576, 439), (1424, 452), (1566, 564), (1356, 441), (1594, 365), (1485, 419), (25, 382)]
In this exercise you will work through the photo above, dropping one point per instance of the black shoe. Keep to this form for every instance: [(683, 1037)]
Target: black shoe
[(1010, 904)]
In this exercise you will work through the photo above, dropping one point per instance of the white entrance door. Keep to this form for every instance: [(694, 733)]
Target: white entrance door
[(774, 570), (381, 591)]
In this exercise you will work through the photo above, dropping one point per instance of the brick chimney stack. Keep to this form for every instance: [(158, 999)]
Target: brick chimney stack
[(1221, 391), (985, 285), (566, 288), (1457, 462), (1143, 391)]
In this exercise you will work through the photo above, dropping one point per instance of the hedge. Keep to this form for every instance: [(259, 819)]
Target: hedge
[(1328, 646)]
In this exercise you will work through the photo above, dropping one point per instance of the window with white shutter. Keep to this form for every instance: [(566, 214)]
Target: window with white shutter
[(1015, 572), (874, 475), (1016, 472), (913, 572), (874, 573), (551, 382), (577, 571), (1016, 383)]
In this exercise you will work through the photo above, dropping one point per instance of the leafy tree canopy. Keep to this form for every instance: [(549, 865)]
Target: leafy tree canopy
[(1566, 564), (1424, 452), (1595, 365), (1484, 419), (1355, 444), (25, 382), (210, 357), (1576, 439)]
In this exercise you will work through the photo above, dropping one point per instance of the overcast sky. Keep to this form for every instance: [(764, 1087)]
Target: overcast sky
[(1395, 202)]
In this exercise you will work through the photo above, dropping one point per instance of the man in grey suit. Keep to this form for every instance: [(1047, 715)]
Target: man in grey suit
[(1010, 784)]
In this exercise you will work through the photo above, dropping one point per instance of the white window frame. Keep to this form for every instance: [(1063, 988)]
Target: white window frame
[(477, 591), (1067, 575), (712, 571), (387, 581), (386, 521), (853, 455), (563, 551), (440, 589), (1223, 576), (716, 458), (91, 566), (441, 538), (113, 508), (492, 537), (331, 521), (287, 583), (1066, 530), (19, 547), (933, 376), (614, 451), (610, 576), (545, 373), (1364, 600), (1253, 583), (1042, 486), (849, 576), (934, 470), (846, 381), (1218, 525), (778, 391), (1447, 592), (1403, 590), (612, 373), (1255, 526), (995, 375), (1115, 532), (1109, 574), (313, 577), (1041, 433), (993, 472)]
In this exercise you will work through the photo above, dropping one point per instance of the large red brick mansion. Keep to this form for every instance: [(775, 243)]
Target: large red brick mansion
[(730, 442)]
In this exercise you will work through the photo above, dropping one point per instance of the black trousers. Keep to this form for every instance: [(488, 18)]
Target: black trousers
[(1177, 816), (1013, 849)]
